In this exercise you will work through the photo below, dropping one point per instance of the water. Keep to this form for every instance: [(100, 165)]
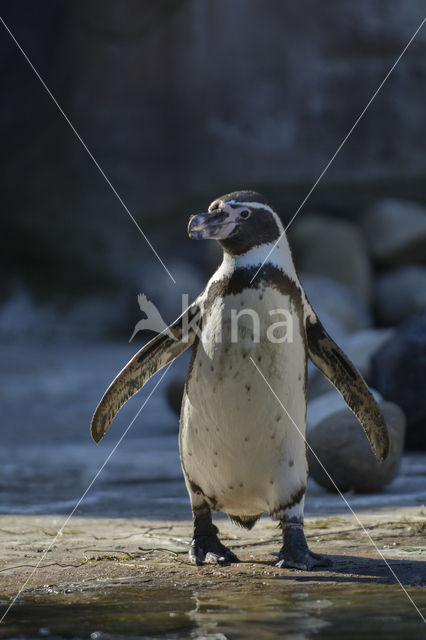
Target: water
[(266, 610)]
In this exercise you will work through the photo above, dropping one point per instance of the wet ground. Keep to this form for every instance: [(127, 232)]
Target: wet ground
[(119, 569), (118, 578), (263, 610)]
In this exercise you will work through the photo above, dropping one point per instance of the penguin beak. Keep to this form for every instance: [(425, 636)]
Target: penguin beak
[(215, 226)]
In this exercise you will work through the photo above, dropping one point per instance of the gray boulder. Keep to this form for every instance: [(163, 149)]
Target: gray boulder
[(332, 247), (342, 447), (399, 373), (396, 231), (359, 347), (400, 293), (327, 405), (340, 309)]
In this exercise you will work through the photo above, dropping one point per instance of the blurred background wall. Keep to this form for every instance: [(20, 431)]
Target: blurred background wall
[(181, 101)]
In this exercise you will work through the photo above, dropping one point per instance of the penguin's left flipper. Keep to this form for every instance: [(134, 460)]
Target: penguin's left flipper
[(158, 352), (336, 366)]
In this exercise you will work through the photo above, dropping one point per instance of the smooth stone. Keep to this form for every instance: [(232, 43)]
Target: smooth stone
[(395, 231), (359, 347), (343, 449), (400, 293), (329, 246), (328, 404), (399, 373), (340, 309)]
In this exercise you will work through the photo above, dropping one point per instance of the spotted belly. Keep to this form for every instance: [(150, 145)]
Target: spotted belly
[(239, 448)]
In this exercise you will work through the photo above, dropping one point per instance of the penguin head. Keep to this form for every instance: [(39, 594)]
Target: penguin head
[(239, 221)]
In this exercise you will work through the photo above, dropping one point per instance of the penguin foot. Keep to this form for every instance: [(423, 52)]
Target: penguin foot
[(205, 545), (306, 561), (295, 552), (210, 550)]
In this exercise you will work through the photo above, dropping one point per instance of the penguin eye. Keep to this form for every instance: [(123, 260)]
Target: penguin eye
[(245, 214)]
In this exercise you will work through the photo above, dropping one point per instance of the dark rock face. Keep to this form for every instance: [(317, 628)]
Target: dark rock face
[(341, 445), (396, 231), (399, 374), (182, 100), (400, 294)]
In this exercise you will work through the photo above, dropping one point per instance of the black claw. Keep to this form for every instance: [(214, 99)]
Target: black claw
[(306, 562)]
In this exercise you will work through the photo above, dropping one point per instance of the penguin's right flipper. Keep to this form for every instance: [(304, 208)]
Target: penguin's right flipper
[(158, 352), (336, 366)]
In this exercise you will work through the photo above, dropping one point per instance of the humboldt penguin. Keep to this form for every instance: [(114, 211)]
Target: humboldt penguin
[(242, 426)]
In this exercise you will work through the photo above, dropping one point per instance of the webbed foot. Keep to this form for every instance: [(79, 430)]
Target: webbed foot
[(206, 546), (295, 552), (209, 549)]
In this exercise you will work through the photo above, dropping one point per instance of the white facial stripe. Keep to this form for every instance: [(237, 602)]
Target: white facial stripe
[(253, 205), (224, 231), (234, 213)]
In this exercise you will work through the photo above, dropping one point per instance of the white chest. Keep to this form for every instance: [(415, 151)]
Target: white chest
[(234, 431), (256, 329)]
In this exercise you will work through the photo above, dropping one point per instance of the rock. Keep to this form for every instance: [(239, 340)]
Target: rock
[(396, 231), (328, 404), (359, 347), (340, 443), (178, 110), (332, 247), (340, 309), (399, 373), (400, 293)]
